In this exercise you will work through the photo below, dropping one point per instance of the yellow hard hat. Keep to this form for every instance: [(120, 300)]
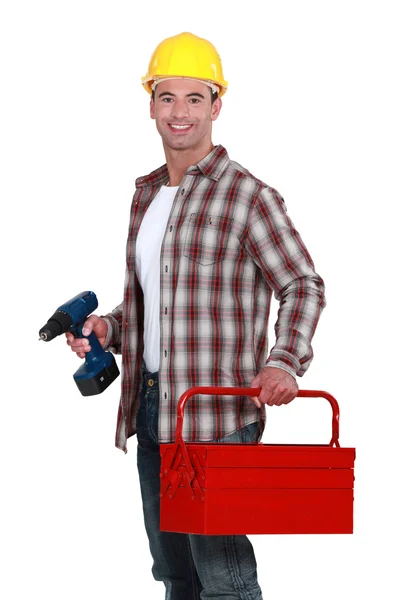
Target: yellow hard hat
[(185, 55)]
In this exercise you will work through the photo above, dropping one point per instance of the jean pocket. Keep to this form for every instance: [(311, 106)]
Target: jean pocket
[(152, 399), (249, 433)]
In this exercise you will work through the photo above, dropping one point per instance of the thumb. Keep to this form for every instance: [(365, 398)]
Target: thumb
[(90, 324), (256, 384), (256, 381)]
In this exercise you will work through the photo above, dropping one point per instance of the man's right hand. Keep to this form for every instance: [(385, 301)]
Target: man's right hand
[(81, 345)]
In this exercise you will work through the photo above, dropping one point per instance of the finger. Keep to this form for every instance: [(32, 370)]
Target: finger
[(289, 397), (290, 394), (255, 384), (270, 395), (78, 342), (81, 354), (283, 395), (81, 349), (267, 392), (81, 345), (73, 341), (284, 399), (256, 401)]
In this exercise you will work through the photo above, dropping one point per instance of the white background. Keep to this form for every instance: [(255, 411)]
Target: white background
[(313, 110)]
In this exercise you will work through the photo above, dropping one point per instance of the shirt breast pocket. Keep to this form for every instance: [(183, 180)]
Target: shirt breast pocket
[(207, 238)]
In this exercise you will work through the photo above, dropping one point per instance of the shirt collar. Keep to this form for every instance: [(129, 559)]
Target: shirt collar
[(212, 166)]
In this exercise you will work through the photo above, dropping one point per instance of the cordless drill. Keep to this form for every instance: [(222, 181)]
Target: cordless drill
[(100, 368)]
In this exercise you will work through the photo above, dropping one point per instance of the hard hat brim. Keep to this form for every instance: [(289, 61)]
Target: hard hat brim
[(147, 82)]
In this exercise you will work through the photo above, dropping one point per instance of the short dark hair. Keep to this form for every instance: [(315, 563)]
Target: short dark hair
[(214, 95)]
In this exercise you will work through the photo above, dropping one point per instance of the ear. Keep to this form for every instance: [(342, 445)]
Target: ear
[(216, 109), (152, 110)]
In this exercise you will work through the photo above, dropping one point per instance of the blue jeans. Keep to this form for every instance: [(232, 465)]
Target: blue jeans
[(192, 567)]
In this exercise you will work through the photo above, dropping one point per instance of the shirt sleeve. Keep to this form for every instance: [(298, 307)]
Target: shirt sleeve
[(278, 250), (114, 324)]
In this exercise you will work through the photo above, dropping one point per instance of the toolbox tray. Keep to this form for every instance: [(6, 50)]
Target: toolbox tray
[(254, 488)]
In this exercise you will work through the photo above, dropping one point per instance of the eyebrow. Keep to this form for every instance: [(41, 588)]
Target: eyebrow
[(196, 94)]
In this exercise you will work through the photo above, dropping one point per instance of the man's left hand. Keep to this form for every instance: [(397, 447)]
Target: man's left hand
[(277, 387)]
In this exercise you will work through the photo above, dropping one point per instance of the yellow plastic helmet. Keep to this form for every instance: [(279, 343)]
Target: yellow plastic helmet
[(185, 55)]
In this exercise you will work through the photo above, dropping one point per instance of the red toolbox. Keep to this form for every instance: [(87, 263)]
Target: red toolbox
[(214, 489)]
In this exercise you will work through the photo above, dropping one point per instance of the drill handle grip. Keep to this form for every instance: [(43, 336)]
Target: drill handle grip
[(96, 348)]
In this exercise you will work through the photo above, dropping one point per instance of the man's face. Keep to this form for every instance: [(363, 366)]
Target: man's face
[(184, 113)]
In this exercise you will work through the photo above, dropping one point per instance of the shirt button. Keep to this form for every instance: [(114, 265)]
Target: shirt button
[(165, 353), (182, 191), (165, 395), (170, 228), (166, 268)]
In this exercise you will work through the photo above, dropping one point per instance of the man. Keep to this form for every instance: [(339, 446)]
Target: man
[(208, 245)]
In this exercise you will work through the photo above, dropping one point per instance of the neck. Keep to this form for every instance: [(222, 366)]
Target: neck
[(178, 161)]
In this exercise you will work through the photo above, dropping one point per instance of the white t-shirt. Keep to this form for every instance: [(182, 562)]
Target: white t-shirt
[(148, 249)]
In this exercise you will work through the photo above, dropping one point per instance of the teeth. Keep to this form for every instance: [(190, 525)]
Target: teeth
[(180, 126)]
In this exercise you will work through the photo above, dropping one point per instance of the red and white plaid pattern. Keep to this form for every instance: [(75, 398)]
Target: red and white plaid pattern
[(228, 246)]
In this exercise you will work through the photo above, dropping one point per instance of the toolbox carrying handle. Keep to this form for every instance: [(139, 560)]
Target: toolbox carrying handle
[(238, 391)]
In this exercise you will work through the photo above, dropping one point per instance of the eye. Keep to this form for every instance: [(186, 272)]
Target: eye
[(166, 100), (194, 100)]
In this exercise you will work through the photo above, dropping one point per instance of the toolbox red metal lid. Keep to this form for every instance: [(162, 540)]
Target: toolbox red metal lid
[(228, 489)]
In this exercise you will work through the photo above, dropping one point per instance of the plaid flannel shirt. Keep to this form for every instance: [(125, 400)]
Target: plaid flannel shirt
[(228, 246)]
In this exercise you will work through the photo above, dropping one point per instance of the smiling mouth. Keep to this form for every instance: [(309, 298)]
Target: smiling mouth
[(179, 128)]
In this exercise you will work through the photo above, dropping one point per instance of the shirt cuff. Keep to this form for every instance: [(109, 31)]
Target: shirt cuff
[(109, 332), (112, 337), (281, 364)]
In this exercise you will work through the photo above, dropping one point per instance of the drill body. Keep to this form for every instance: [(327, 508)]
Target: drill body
[(100, 368)]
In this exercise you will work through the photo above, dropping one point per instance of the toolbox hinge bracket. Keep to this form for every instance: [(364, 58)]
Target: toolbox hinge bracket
[(188, 474)]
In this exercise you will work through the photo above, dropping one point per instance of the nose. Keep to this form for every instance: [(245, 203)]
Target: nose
[(180, 109)]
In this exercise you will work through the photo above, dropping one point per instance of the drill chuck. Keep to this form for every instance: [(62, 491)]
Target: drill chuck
[(59, 323)]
